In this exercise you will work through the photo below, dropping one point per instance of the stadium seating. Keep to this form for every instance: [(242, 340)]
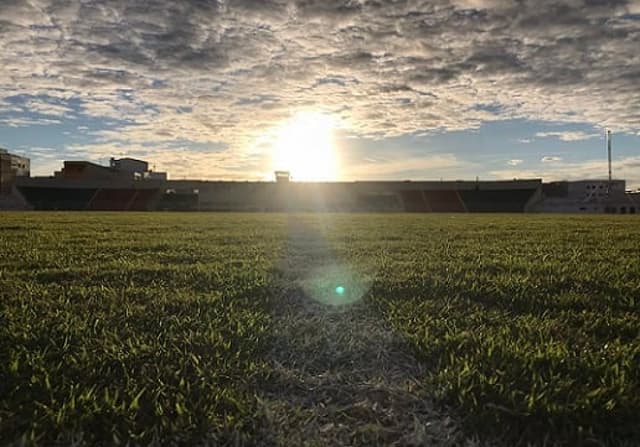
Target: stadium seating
[(499, 201), (444, 201), (58, 198)]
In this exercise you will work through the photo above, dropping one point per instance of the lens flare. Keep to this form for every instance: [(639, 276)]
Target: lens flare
[(320, 284)]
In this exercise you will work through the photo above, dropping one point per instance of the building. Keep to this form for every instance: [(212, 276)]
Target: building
[(118, 170), (368, 196), (124, 185), (138, 168), (11, 167), (85, 170), (588, 196), (283, 176), (152, 175), (127, 184), (83, 185), (129, 165)]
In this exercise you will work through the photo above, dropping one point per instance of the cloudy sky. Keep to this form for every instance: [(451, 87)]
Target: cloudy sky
[(418, 89)]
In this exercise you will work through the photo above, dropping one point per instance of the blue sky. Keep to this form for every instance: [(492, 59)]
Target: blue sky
[(452, 89)]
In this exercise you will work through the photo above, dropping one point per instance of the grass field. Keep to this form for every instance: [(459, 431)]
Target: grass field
[(319, 330)]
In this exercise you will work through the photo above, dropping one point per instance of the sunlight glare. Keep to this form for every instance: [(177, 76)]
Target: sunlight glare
[(304, 147)]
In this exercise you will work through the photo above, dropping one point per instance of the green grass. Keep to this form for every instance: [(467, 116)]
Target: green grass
[(143, 327), (132, 327), (531, 323)]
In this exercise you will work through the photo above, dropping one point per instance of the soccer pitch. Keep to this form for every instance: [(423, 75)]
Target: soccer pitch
[(328, 329)]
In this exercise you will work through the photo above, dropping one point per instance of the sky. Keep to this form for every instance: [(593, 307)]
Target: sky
[(443, 89)]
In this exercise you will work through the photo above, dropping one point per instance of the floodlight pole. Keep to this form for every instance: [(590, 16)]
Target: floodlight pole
[(609, 152)]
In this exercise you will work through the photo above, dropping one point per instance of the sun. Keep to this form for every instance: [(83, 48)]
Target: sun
[(304, 147)]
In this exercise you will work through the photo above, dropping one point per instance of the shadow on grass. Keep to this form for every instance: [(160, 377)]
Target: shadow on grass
[(336, 374)]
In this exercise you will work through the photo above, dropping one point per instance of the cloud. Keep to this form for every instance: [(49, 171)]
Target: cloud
[(180, 161), (514, 162), (224, 72), (550, 159), (568, 135), (623, 168), (408, 168), (28, 122)]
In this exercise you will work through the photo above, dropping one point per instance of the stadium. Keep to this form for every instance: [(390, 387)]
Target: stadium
[(128, 185)]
